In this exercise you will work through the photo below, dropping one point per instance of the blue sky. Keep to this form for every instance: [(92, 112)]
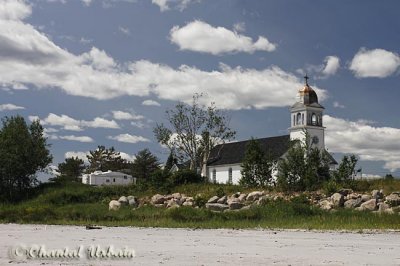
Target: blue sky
[(103, 72)]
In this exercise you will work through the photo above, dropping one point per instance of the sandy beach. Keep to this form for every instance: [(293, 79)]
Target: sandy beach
[(161, 246)]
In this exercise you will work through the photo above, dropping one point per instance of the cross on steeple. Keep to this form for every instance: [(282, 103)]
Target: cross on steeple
[(306, 79)]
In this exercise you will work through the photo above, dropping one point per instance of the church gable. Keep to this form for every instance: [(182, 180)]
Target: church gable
[(233, 153)]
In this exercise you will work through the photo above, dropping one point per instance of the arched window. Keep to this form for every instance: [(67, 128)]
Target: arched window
[(215, 176), (314, 119), (320, 121), (298, 120), (294, 120), (230, 176), (302, 119)]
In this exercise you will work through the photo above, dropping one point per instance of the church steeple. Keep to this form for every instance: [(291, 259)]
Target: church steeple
[(306, 114)]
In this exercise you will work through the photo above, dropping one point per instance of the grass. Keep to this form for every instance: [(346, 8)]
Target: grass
[(81, 205)]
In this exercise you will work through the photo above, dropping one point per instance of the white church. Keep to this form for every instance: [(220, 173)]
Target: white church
[(224, 162)]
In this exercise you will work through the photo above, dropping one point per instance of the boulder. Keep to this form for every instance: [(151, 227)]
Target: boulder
[(176, 195), (130, 197), (377, 194), (123, 200), (352, 203), (222, 200), (114, 205), (365, 197), (396, 209), (235, 205), (213, 199), (231, 200), (133, 202), (382, 207), (255, 195), (157, 199), (337, 200), (217, 207), (263, 200), (369, 205), (188, 203), (345, 191), (393, 199), (242, 197), (354, 196), (173, 203), (325, 205)]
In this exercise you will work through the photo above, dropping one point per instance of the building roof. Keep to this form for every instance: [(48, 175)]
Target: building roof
[(233, 153)]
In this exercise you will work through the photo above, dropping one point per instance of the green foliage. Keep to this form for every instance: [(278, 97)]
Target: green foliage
[(186, 177), (220, 192), (23, 152), (144, 164), (189, 122), (200, 200), (70, 170), (330, 187), (170, 162), (103, 159), (256, 166), (160, 180), (303, 168), (345, 170)]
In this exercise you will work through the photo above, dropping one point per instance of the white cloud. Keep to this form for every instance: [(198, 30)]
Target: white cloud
[(121, 115), (87, 2), (77, 138), (72, 124), (377, 63), (14, 9), (151, 103), (128, 157), (10, 107), (338, 105), (79, 154), (239, 27), (124, 30), (361, 138), (202, 37), (165, 5), (29, 57), (332, 64), (129, 138)]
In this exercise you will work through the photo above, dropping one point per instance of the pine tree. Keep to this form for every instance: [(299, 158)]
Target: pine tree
[(144, 164)]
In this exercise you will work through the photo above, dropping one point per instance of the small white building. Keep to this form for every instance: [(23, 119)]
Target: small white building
[(99, 178)]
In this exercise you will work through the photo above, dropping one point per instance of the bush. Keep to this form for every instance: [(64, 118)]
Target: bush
[(200, 200), (185, 177), (331, 187)]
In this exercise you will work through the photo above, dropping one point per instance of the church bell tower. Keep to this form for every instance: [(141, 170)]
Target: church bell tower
[(306, 115)]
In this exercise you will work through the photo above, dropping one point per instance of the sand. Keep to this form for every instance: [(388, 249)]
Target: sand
[(162, 246)]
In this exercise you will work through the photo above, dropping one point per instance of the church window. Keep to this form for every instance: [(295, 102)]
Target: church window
[(230, 176), (302, 119), (314, 119), (215, 176), (298, 119), (294, 120)]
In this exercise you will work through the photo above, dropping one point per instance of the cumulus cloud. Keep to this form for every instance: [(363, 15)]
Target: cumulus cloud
[(14, 10), (377, 63), (69, 123), (128, 157), (362, 138), (10, 107), (239, 27), (77, 138), (129, 138), (332, 64), (199, 36), (29, 57), (338, 105), (121, 115), (165, 5), (80, 154), (151, 103)]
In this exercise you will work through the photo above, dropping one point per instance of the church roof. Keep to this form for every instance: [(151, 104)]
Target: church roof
[(233, 153)]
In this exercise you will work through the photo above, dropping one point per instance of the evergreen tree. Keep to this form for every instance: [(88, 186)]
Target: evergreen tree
[(170, 162), (256, 166), (23, 152), (345, 170), (70, 170), (144, 164), (103, 159)]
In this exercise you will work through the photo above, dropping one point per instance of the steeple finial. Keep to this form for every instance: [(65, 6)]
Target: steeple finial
[(306, 79)]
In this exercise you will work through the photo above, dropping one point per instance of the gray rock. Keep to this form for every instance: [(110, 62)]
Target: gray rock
[(242, 197), (123, 200), (393, 199), (213, 199), (255, 195), (157, 199), (325, 205), (365, 197), (337, 200), (352, 203), (345, 191), (130, 197), (188, 203), (173, 203), (231, 200), (217, 207), (369, 205), (235, 205), (114, 205), (133, 202), (354, 196), (247, 207), (377, 194), (222, 200), (176, 195), (382, 207)]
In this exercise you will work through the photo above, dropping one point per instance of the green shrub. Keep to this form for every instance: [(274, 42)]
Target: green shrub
[(200, 200), (220, 192), (185, 177), (331, 187)]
